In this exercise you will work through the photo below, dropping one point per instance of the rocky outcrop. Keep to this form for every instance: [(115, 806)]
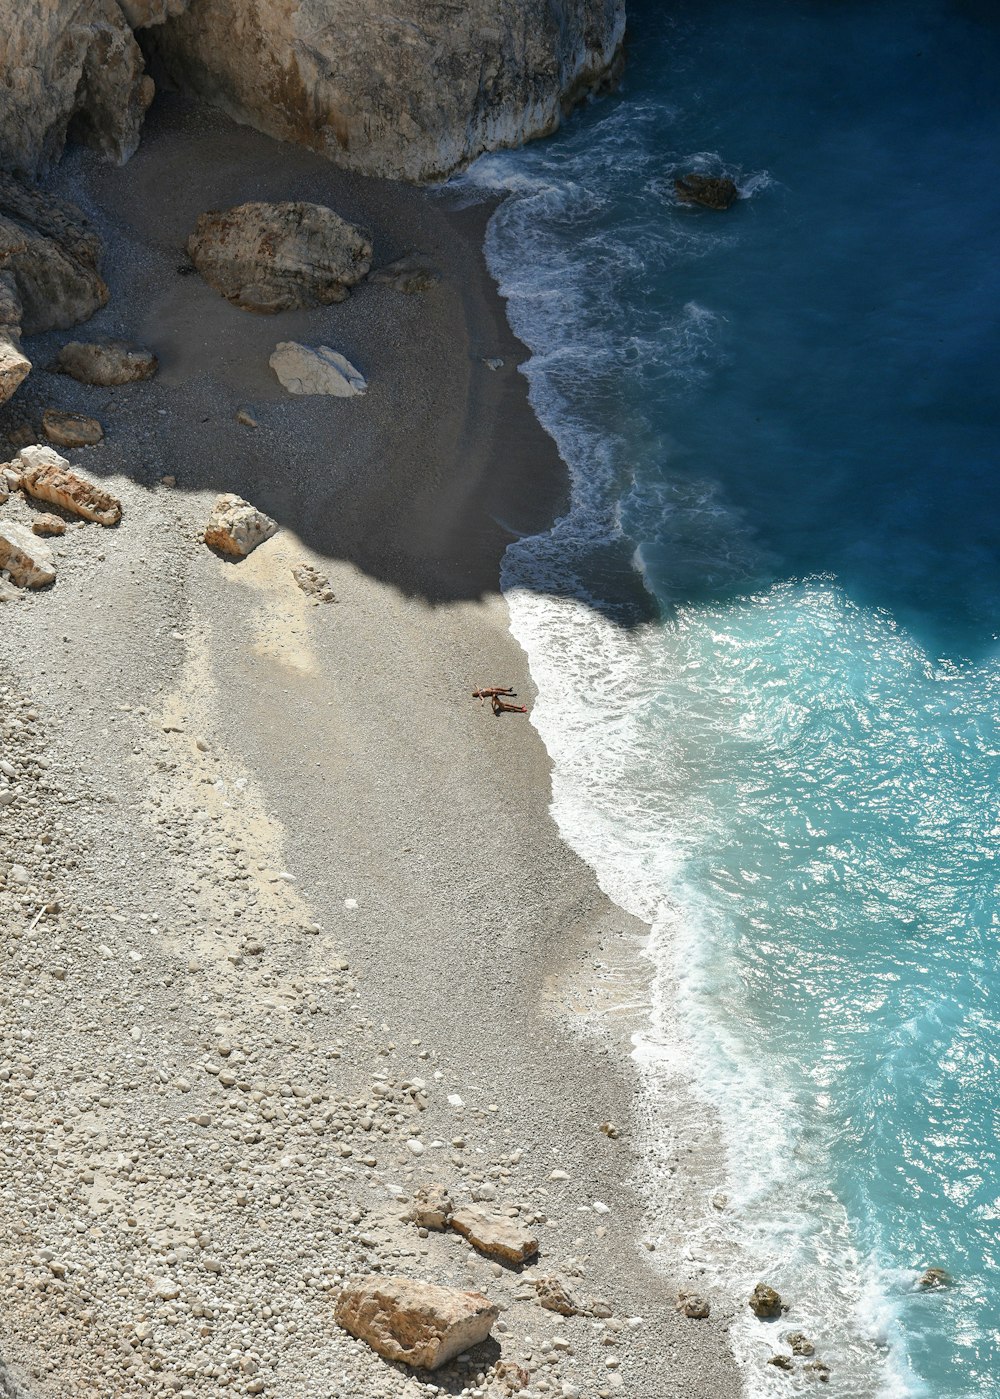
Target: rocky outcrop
[(407, 89), (273, 257), (15, 365), (303, 370), (418, 1323), (106, 363), (68, 67), (236, 527)]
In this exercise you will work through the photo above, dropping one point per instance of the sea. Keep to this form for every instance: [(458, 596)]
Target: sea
[(781, 424)]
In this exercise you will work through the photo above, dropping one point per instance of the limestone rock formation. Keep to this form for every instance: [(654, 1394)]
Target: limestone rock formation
[(495, 1234), (47, 476), (272, 257), (48, 524), (418, 1323), (105, 362), (236, 527), (15, 365), (71, 429), (68, 67), (711, 191), (406, 89), (303, 370), (24, 557)]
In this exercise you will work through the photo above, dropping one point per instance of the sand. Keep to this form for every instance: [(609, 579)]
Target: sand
[(209, 730)]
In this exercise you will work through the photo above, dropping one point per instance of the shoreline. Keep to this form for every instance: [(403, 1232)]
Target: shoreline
[(368, 774)]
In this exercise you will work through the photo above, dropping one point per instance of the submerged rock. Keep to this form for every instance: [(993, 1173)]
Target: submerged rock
[(106, 363), (710, 191), (236, 527), (71, 429), (418, 1323), (303, 370), (800, 1343), (781, 1362), (495, 1234), (764, 1301), (48, 476), (933, 1278), (273, 257), (25, 558)]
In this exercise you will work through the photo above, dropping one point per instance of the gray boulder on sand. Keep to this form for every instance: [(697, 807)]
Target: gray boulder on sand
[(105, 362), (304, 370), (25, 558), (418, 1323), (273, 257), (236, 527)]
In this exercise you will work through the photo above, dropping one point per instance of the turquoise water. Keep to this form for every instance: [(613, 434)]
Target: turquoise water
[(785, 417)]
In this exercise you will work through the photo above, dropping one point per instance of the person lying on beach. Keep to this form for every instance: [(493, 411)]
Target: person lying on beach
[(491, 691), (502, 707)]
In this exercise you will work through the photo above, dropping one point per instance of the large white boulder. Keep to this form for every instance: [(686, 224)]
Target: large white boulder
[(305, 370)]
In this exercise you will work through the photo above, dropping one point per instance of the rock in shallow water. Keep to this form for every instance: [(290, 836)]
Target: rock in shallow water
[(710, 191), (418, 1323), (764, 1301), (273, 257), (303, 370)]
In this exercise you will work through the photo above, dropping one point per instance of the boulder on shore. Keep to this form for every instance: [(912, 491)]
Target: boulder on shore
[(106, 363), (409, 275), (236, 527), (693, 1305), (764, 1301), (710, 191), (303, 370), (273, 257), (496, 1235), (418, 1323), (25, 558), (48, 476), (71, 429)]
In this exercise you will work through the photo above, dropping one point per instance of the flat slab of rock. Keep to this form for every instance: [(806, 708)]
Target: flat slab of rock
[(495, 1234), (305, 370), (710, 191), (48, 476), (48, 524), (25, 557), (236, 527), (71, 429), (418, 1323), (273, 257), (106, 363)]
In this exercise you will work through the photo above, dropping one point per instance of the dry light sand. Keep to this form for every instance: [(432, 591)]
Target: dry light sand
[(273, 886)]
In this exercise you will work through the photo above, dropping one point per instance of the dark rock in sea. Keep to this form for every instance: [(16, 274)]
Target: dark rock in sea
[(764, 1301), (781, 1362), (711, 191), (934, 1278)]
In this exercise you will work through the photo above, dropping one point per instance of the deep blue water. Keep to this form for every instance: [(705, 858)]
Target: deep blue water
[(788, 412)]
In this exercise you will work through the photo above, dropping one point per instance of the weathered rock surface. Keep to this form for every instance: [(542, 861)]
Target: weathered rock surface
[(106, 362), (555, 1296), (496, 1235), (933, 1278), (52, 253), (48, 524), (273, 257), (693, 1305), (418, 1323), (236, 527), (800, 1343), (764, 1301), (48, 476), (711, 191), (71, 429), (405, 89), (432, 1207), (24, 557), (68, 65), (304, 370), (317, 586), (410, 274)]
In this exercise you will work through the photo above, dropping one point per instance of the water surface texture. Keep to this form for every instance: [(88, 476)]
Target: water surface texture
[(786, 414)]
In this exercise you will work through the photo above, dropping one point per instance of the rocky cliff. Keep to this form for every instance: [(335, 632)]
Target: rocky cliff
[(411, 89)]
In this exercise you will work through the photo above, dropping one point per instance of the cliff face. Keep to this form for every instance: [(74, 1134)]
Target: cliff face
[(68, 66), (410, 89)]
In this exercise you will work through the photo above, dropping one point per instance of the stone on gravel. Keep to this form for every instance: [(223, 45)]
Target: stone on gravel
[(555, 1296), (48, 476), (304, 370), (71, 429), (274, 257), (418, 1323), (495, 1234), (692, 1305), (24, 557), (432, 1207), (314, 583), (408, 274), (236, 527), (48, 524), (764, 1301), (106, 363)]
